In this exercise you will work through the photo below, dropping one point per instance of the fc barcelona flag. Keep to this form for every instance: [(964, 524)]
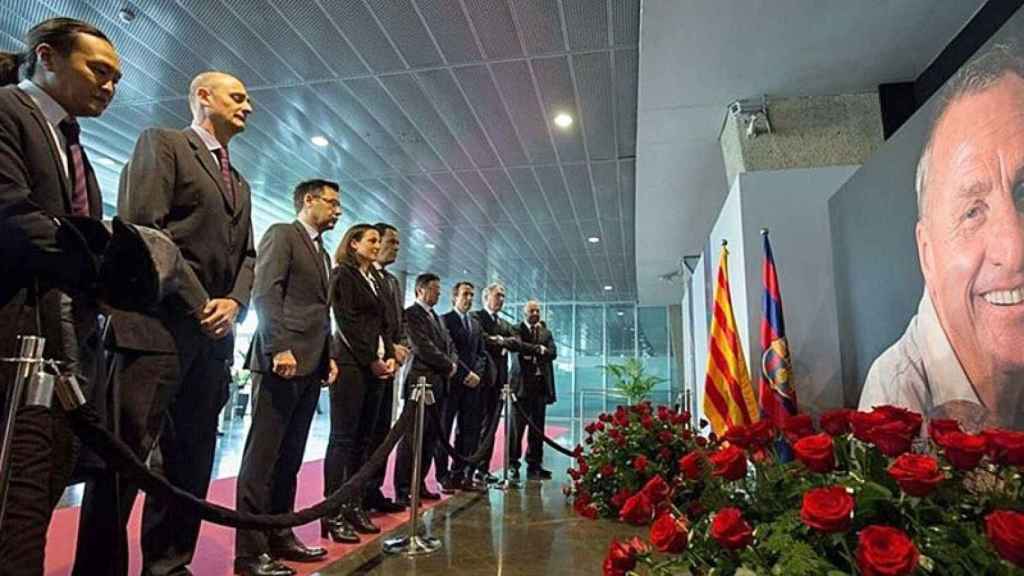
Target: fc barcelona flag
[(778, 396), (728, 396)]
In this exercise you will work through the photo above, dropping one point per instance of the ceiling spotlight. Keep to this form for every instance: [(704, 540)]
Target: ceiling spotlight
[(608, 288), (563, 120), (126, 14), (621, 313), (593, 239), (430, 246), (319, 141)]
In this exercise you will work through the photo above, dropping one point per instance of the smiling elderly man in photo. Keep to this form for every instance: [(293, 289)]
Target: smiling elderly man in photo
[(962, 355)]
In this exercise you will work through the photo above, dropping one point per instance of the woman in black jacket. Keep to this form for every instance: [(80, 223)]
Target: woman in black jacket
[(365, 360)]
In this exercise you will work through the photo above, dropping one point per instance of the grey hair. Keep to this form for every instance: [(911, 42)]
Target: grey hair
[(491, 288), (981, 73)]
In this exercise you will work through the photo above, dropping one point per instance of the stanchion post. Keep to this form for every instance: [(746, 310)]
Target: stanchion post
[(30, 354), (506, 481), (413, 544)]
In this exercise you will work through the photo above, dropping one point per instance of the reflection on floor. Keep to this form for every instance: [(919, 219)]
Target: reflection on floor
[(527, 531)]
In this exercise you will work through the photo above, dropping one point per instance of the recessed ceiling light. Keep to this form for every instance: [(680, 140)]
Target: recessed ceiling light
[(319, 141), (608, 288), (593, 239), (563, 120), (430, 246), (107, 161), (621, 313)]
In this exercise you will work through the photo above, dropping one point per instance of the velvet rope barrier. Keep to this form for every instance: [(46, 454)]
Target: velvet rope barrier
[(555, 445), (87, 426)]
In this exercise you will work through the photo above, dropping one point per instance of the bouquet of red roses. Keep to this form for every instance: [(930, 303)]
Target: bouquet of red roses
[(866, 493)]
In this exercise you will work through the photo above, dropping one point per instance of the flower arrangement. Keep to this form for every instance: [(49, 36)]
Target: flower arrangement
[(865, 493)]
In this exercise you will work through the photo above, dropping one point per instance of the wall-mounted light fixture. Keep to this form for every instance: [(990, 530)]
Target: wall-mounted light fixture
[(753, 114)]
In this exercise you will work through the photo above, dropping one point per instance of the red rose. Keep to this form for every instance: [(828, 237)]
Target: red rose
[(761, 433), (640, 463), (898, 414), (590, 428), (621, 558), (863, 422), (729, 463), (665, 437), (964, 451), (669, 534), (816, 453), (665, 454), (939, 427), (730, 530), (599, 426), (647, 422), (836, 422), (620, 497), (589, 511), (692, 464), (885, 551), (796, 427), (607, 470), (1005, 529), (917, 474), (605, 417), (738, 435), (827, 509), (892, 438), (1006, 446), (701, 441), (584, 468), (638, 510), (656, 489), (664, 414)]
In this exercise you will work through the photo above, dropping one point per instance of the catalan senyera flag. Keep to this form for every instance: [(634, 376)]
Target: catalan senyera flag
[(776, 390), (728, 396)]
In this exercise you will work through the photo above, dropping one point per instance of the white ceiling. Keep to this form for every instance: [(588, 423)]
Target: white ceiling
[(696, 56)]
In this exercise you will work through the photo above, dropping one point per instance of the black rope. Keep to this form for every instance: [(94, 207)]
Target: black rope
[(86, 424), (482, 448), (558, 447)]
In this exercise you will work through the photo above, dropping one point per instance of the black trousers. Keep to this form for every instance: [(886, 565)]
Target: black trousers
[(44, 458), (355, 405), (535, 406), (380, 432), (463, 403), (167, 406), (404, 458), (490, 409), (273, 454)]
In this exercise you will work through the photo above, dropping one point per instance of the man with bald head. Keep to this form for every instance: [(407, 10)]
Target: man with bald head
[(962, 356), (171, 366)]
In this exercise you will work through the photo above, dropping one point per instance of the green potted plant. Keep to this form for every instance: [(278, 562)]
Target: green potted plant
[(632, 381)]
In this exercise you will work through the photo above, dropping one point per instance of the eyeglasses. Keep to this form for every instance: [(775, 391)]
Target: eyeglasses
[(332, 202)]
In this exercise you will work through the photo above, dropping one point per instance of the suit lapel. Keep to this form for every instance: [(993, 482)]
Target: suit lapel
[(205, 158), (44, 126), (311, 246)]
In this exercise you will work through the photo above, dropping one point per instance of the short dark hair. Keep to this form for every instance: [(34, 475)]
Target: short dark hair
[(383, 227), (60, 33), (312, 187), (426, 278), (460, 284)]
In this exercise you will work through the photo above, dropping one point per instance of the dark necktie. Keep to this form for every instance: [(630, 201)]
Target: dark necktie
[(76, 165), (325, 260), (536, 333), (465, 322), (225, 174)]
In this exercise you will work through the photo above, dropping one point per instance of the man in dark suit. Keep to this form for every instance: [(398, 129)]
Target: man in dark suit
[(499, 339), (46, 183), (463, 400), (533, 380), (434, 359), (171, 365), (290, 359), (390, 241)]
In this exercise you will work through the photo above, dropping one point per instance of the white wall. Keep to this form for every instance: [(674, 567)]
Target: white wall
[(698, 293), (793, 205)]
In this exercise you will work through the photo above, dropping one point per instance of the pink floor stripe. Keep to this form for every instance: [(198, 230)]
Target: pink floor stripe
[(215, 552)]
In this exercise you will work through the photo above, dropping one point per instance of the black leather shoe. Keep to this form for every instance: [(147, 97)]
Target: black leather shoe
[(451, 486), (403, 500), (262, 565), (338, 530), (428, 495), (356, 517), (294, 551), (538, 474), (513, 473), (384, 505), (487, 478)]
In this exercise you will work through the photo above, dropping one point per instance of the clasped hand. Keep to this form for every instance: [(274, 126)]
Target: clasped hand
[(218, 317)]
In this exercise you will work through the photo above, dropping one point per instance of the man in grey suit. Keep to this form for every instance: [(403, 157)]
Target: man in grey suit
[(290, 359), (171, 365)]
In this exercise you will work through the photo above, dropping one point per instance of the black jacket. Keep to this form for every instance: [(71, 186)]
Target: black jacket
[(361, 318), (291, 299), (533, 373), (497, 354), (432, 349), (468, 345)]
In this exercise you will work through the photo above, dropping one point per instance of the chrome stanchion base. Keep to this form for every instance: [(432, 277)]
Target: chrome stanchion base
[(419, 545)]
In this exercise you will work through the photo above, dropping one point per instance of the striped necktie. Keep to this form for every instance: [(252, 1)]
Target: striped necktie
[(225, 174), (76, 164)]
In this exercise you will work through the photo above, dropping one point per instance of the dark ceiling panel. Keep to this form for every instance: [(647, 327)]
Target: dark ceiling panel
[(540, 23), (492, 20)]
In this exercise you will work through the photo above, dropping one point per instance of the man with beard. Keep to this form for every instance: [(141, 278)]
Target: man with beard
[(290, 359), (534, 383)]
